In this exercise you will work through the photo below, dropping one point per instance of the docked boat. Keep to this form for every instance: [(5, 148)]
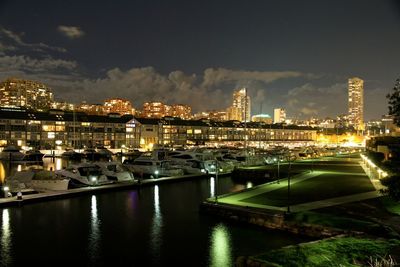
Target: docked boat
[(84, 174), (153, 167), (33, 155), (104, 152), (11, 153), (115, 171), (34, 179), (71, 155), (91, 154)]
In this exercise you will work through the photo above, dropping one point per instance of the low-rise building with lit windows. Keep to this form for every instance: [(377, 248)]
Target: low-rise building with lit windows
[(57, 129), (172, 131)]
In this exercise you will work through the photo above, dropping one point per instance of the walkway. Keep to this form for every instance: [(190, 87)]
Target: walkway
[(247, 197)]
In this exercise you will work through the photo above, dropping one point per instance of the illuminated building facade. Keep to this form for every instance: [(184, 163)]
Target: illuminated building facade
[(58, 129), (118, 105), (174, 131), (24, 93), (211, 115), (241, 106), (356, 103), (155, 110), (181, 111), (91, 109), (279, 115)]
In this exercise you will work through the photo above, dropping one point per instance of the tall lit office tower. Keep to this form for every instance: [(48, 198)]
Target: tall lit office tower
[(356, 103), (241, 102), (279, 115)]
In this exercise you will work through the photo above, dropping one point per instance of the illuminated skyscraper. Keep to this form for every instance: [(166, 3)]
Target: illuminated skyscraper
[(240, 109), (356, 103), (24, 93), (279, 115)]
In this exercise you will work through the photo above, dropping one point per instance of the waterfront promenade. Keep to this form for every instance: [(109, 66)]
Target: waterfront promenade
[(322, 183)]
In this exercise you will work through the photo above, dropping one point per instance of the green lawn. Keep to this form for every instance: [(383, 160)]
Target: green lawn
[(323, 186), (346, 251)]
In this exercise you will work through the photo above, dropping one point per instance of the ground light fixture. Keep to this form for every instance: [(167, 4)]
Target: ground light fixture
[(371, 166)]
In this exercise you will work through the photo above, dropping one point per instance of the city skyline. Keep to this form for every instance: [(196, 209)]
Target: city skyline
[(290, 56)]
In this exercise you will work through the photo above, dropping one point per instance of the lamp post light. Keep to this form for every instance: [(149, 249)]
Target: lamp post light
[(216, 181), (288, 192), (156, 173), (6, 190)]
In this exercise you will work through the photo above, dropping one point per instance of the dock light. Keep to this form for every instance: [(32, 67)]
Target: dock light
[(203, 170), (93, 179), (156, 172), (6, 188)]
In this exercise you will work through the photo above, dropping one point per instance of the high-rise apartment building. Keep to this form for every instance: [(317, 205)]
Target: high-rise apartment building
[(356, 103), (279, 115), (155, 110), (24, 93), (181, 111), (241, 106), (118, 105)]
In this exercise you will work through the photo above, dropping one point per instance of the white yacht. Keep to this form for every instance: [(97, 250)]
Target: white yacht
[(115, 171), (154, 164), (84, 174), (37, 180), (11, 153), (207, 160)]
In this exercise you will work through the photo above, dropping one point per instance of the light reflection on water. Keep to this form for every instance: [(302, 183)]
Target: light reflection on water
[(156, 228), (5, 249), (212, 187), (94, 236), (220, 247)]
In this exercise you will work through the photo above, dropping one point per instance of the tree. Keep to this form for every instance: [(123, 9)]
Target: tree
[(393, 186), (394, 103)]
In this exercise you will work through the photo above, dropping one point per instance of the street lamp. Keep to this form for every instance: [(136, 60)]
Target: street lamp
[(216, 181), (288, 192)]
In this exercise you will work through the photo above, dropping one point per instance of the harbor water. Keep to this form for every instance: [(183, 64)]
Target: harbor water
[(156, 225)]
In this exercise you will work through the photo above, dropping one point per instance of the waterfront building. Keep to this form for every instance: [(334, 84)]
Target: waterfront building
[(356, 103), (25, 93), (172, 131), (279, 115), (241, 106), (262, 118), (58, 129), (62, 105), (118, 105)]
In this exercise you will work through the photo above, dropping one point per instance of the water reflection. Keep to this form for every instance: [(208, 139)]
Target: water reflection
[(212, 187), (2, 173), (220, 247), (156, 229), (94, 237), (5, 248)]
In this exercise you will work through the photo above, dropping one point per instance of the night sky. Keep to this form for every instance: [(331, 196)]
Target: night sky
[(292, 54)]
